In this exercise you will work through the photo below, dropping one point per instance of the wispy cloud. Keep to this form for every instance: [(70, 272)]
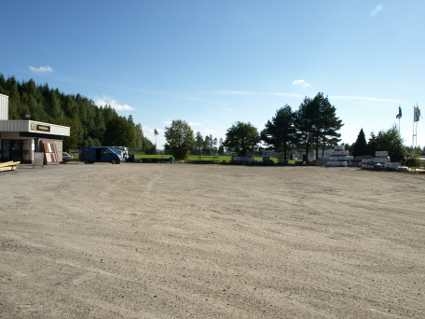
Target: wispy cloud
[(118, 106), (364, 98), (41, 69), (377, 10), (301, 83), (191, 123), (287, 94), (297, 95), (167, 123), (195, 124), (235, 92), (247, 93)]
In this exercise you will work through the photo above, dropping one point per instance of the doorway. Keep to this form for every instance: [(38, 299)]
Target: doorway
[(11, 150)]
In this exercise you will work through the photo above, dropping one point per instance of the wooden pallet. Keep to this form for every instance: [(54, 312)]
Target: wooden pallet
[(8, 166)]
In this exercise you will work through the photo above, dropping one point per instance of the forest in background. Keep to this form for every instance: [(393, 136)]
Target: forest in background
[(90, 125)]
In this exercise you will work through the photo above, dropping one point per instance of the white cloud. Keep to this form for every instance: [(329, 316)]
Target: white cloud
[(364, 98), (119, 107), (377, 10), (41, 69), (302, 83)]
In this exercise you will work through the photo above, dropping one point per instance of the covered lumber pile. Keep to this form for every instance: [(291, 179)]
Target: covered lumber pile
[(8, 166), (339, 158), (51, 154)]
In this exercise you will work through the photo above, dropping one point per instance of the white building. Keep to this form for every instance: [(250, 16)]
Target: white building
[(21, 140)]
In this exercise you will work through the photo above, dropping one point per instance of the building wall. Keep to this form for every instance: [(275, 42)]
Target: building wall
[(14, 126), (4, 107), (34, 127), (28, 151), (9, 136), (28, 146)]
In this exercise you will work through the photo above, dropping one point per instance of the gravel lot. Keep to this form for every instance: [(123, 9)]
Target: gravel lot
[(200, 241)]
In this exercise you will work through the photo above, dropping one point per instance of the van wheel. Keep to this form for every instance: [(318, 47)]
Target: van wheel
[(114, 161)]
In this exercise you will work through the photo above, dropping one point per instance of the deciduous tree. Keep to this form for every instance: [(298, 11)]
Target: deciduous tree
[(180, 139), (242, 138), (389, 141)]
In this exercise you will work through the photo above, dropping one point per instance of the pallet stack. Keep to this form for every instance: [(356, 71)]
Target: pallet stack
[(51, 154), (8, 166), (339, 158)]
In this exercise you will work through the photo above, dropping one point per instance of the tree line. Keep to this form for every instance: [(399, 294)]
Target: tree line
[(389, 141), (90, 125), (314, 125)]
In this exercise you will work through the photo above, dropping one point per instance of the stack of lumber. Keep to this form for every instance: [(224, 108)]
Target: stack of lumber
[(339, 158), (8, 166), (51, 154), (380, 161)]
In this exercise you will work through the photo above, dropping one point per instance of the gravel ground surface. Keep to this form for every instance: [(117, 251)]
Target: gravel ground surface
[(200, 241)]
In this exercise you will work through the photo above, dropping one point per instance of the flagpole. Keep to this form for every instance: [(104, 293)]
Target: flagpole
[(398, 116), (413, 130), (416, 118)]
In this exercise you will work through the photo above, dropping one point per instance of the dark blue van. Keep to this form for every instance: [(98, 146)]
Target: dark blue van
[(90, 155)]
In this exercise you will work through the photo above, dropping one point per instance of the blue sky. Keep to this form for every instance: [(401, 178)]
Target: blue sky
[(215, 62)]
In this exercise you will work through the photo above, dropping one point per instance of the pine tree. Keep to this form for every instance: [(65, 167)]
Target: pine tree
[(317, 123), (280, 132), (90, 125), (360, 147)]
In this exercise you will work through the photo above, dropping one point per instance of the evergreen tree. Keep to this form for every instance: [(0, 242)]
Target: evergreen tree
[(360, 147), (119, 132), (199, 143), (90, 125), (221, 147), (305, 120), (280, 132), (317, 123)]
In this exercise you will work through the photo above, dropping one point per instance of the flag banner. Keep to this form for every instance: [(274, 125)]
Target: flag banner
[(400, 113), (416, 114)]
